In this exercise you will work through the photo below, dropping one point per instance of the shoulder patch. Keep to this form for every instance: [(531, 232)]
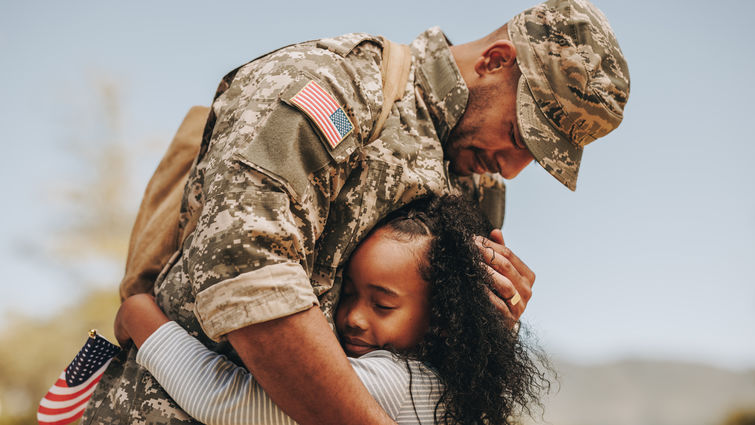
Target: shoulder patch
[(324, 111)]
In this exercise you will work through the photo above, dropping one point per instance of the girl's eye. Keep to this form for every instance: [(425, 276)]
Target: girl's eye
[(384, 307)]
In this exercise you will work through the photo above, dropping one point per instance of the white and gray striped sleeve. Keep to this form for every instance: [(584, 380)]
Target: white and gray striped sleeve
[(207, 385), (385, 377), (214, 390), (426, 390)]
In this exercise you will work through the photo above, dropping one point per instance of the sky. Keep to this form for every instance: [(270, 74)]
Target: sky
[(651, 257)]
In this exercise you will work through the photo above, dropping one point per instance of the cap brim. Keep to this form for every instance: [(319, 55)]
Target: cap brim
[(551, 149)]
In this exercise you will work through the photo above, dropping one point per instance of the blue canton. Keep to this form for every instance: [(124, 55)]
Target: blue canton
[(339, 119), (95, 353)]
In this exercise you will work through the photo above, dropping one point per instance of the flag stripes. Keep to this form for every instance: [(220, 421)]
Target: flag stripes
[(67, 398), (324, 111)]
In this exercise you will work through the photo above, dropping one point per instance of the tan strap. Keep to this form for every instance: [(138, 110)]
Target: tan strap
[(397, 61)]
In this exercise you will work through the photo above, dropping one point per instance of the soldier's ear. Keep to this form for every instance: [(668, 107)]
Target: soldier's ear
[(497, 57)]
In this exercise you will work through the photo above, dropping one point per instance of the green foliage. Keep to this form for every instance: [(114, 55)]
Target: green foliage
[(93, 229), (34, 352)]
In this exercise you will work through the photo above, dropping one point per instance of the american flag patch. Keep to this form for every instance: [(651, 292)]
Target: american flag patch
[(324, 111)]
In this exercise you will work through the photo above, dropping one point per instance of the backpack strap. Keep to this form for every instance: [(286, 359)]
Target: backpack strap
[(155, 238), (397, 61)]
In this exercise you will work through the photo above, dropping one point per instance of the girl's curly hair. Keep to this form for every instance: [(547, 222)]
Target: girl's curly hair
[(489, 375)]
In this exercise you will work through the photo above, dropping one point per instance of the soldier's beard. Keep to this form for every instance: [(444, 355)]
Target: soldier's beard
[(462, 136)]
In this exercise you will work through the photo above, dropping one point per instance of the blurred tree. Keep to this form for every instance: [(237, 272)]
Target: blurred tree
[(98, 213), (745, 416), (88, 248)]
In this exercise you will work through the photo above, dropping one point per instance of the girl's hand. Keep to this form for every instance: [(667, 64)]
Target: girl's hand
[(121, 333), (137, 318)]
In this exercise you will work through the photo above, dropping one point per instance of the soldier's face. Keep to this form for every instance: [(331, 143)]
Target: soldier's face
[(384, 300), (487, 138)]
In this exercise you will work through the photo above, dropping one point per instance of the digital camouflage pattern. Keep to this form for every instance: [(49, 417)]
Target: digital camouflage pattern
[(278, 211), (574, 84)]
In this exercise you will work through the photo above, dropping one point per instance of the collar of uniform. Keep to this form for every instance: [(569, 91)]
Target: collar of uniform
[(439, 80)]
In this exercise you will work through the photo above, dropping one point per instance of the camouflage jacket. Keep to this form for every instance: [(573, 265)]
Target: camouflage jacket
[(279, 206)]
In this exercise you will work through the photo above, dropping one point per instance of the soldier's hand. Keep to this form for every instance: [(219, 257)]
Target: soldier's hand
[(512, 279)]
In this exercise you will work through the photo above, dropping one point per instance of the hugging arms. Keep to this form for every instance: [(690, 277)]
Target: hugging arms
[(282, 193), (415, 308)]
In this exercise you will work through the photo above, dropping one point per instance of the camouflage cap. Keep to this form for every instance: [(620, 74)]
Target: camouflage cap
[(574, 83)]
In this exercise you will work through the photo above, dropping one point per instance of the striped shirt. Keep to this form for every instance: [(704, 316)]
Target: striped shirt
[(214, 390)]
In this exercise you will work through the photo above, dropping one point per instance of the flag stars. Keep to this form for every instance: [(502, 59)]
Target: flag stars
[(342, 123), (95, 353), (65, 401)]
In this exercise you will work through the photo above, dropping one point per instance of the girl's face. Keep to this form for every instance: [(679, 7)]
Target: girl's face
[(384, 300)]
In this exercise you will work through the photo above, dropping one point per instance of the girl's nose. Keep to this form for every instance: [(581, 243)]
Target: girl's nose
[(355, 319)]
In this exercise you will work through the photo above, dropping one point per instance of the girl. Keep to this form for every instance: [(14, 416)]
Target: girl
[(414, 317)]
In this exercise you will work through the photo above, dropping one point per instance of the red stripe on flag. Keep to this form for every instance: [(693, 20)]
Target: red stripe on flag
[(63, 421), (321, 117), (319, 105), (63, 397), (320, 100), (63, 404), (48, 411), (326, 98), (330, 131)]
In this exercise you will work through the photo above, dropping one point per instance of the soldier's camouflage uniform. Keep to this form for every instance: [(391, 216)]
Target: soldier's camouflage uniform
[(278, 210)]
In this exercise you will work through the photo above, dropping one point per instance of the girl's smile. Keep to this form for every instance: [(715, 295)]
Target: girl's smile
[(356, 347)]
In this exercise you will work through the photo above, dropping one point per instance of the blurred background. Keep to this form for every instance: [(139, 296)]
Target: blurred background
[(644, 297)]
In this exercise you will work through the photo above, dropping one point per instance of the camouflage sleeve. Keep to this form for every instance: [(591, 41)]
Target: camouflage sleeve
[(268, 178), (487, 190), (491, 196)]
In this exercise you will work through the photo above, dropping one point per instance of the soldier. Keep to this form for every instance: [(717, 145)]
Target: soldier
[(289, 179)]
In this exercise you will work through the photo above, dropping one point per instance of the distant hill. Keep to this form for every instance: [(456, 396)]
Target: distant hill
[(647, 393)]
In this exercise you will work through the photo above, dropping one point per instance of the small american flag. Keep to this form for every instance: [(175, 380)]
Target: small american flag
[(323, 109), (67, 398)]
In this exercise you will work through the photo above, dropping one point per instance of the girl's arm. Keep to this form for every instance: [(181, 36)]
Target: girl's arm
[(137, 318), (214, 390), (205, 384)]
